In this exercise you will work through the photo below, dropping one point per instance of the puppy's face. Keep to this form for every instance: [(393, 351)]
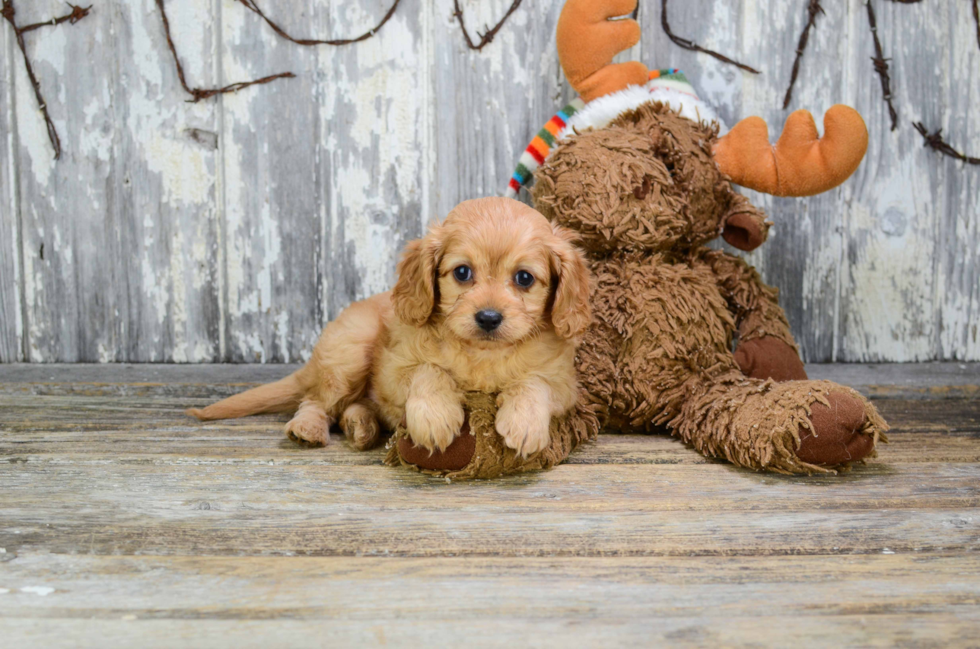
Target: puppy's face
[(494, 282), (500, 273)]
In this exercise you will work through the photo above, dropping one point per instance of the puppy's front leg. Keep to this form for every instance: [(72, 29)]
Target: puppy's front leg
[(524, 416), (434, 409)]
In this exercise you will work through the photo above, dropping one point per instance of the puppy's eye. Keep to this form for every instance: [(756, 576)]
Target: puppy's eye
[(523, 278), (463, 273)]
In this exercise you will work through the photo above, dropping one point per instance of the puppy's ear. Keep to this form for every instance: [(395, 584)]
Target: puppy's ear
[(571, 311), (416, 292)]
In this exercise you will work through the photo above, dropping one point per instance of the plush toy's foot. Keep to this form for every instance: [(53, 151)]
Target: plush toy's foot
[(456, 456), (839, 434), (479, 451), (788, 427), (769, 358)]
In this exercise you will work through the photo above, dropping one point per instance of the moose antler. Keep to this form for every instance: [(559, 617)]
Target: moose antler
[(587, 42), (801, 163)]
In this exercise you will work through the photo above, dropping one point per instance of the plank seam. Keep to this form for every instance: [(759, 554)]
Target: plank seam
[(22, 323), (220, 193), (321, 190), (836, 339), (945, 206), (430, 110)]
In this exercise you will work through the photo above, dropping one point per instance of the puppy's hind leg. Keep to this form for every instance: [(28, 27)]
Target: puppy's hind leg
[(361, 426), (310, 425)]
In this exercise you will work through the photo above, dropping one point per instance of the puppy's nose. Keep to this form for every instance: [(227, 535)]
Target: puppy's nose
[(488, 320)]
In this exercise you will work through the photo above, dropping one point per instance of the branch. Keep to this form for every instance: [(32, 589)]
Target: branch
[(8, 12), (694, 47), (251, 5), (489, 32), (77, 13), (206, 93), (936, 142), (881, 64), (813, 9)]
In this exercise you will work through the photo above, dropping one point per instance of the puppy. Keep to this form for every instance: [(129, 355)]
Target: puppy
[(494, 299)]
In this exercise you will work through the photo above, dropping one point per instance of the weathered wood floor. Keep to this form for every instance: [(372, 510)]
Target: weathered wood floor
[(124, 523)]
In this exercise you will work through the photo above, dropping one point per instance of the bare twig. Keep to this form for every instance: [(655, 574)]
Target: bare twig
[(881, 66), (813, 10), (77, 13), (936, 142), (205, 93), (252, 6), (9, 14), (489, 32), (694, 47)]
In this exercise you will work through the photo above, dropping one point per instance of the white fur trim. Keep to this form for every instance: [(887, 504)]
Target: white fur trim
[(598, 113)]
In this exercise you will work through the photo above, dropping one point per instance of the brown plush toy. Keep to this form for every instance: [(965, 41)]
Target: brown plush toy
[(685, 338), (479, 452)]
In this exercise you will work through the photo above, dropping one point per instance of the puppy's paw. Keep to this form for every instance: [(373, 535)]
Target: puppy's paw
[(524, 424), (361, 427), (307, 429), (433, 423)]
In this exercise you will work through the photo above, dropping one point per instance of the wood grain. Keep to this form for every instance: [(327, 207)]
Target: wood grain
[(233, 229), (270, 195), (491, 103), (957, 248), (884, 380), (127, 523), (221, 601), (893, 222), (923, 431), (804, 255), (373, 151), (941, 629)]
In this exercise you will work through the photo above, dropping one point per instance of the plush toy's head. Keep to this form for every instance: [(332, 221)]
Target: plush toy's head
[(637, 160), (651, 184)]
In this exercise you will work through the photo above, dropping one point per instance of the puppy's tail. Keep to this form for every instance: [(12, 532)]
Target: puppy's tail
[(282, 396)]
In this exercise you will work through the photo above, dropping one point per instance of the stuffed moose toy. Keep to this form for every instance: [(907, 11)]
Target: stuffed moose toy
[(685, 339)]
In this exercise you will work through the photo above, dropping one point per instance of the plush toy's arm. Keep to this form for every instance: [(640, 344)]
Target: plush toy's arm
[(764, 346), (754, 304), (744, 226)]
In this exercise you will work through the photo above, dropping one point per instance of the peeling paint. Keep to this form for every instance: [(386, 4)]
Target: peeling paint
[(40, 591), (32, 131), (891, 301), (318, 181)]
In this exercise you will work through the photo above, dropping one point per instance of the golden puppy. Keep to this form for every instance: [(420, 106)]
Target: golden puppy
[(493, 299)]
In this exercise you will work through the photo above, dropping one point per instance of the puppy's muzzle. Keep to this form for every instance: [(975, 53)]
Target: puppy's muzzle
[(488, 319)]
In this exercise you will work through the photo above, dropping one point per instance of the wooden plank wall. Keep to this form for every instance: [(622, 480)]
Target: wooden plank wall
[(232, 229)]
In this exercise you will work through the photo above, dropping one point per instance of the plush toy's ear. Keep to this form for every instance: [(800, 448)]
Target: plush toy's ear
[(801, 163), (416, 292), (745, 226), (571, 311)]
